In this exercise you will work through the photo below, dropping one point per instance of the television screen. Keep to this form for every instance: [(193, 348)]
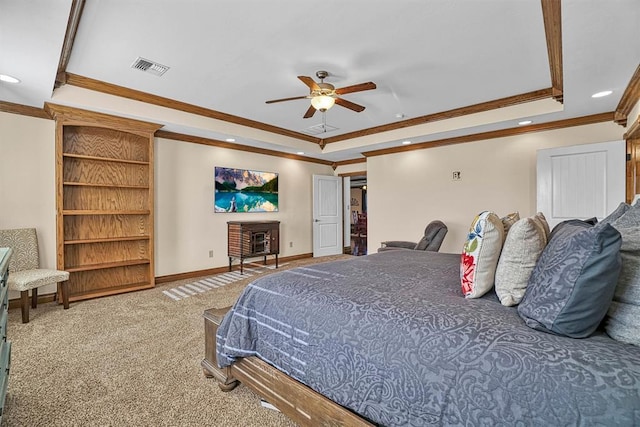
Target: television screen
[(242, 190)]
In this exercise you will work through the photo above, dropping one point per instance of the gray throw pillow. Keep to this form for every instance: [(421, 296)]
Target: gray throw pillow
[(623, 318), (617, 213), (623, 322), (572, 284)]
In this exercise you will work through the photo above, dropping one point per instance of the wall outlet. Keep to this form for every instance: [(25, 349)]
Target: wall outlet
[(210, 254), (456, 176), (290, 244)]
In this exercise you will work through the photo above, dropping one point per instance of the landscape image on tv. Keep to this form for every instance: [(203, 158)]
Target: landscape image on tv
[(242, 190)]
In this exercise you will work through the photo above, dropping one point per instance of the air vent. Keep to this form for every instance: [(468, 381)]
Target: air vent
[(319, 128), (149, 66)]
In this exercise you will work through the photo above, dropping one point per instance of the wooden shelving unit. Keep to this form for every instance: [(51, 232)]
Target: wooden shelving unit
[(104, 174)]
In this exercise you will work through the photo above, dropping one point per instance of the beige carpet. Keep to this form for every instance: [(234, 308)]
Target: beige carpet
[(125, 360)]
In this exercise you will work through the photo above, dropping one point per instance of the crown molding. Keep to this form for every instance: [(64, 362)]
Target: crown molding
[(23, 110), (552, 17), (351, 161), (457, 112), (233, 146), (75, 14), (357, 173), (540, 127), (634, 130), (136, 95), (629, 99), (80, 117)]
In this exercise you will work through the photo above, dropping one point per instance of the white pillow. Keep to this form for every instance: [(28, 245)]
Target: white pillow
[(480, 254), (525, 242)]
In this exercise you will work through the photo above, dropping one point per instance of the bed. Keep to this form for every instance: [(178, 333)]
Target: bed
[(388, 339)]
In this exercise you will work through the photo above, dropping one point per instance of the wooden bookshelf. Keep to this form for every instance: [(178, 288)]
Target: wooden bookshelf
[(104, 203)]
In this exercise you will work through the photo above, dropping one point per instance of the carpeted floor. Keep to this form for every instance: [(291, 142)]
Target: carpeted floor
[(125, 360)]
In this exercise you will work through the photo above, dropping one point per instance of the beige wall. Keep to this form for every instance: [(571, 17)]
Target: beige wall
[(187, 227), (27, 182), (497, 174), (407, 190)]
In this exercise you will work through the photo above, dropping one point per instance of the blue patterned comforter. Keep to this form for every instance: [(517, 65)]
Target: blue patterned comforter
[(390, 337)]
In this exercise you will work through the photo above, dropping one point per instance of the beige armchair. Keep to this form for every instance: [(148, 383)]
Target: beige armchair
[(24, 269)]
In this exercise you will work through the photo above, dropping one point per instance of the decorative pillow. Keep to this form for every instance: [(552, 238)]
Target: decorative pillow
[(543, 220), (522, 248), (573, 282), (588, 221), (623, 318), (592, 220), (508, 220), (623, 322), (480, 254), (617, 213)]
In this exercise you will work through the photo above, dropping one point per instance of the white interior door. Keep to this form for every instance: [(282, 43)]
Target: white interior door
[(580, 181), (327, 215)]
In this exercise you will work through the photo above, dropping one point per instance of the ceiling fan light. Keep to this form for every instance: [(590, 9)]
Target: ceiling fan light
[(322, 102)]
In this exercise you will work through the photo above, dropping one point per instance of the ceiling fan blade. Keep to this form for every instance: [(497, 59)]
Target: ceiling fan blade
[(356, 88), (350, 105), (286, 99), (309, 82), (310, 112)]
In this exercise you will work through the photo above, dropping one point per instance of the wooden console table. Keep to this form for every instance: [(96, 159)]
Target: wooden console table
[(251, 239)]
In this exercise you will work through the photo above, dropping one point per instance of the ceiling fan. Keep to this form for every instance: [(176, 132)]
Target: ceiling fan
[(324, 95)]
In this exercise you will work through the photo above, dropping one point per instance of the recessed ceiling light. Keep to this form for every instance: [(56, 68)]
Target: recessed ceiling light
[(525, 122), (8, 79), (400, 116), (601, 94), (406, 142), (300, 153), (230, 140)]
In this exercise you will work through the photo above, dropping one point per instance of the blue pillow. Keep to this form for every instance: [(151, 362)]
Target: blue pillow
[(573, 282)]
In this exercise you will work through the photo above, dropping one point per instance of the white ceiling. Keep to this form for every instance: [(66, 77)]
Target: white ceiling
[(231, 56)]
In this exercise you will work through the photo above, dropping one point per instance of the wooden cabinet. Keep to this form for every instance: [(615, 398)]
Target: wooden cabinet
[(104, 202), (250, 239), (5, 345)]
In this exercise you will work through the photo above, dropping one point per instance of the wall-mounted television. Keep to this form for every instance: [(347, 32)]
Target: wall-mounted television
[(244, 190)]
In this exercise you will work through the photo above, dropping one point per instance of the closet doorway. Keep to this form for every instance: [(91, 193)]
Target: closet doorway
[(358, 220)]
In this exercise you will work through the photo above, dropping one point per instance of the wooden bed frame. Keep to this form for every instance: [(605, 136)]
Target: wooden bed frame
[(297, 401)]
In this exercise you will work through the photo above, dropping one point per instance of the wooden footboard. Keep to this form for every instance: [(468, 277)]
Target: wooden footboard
[(300, 403)]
